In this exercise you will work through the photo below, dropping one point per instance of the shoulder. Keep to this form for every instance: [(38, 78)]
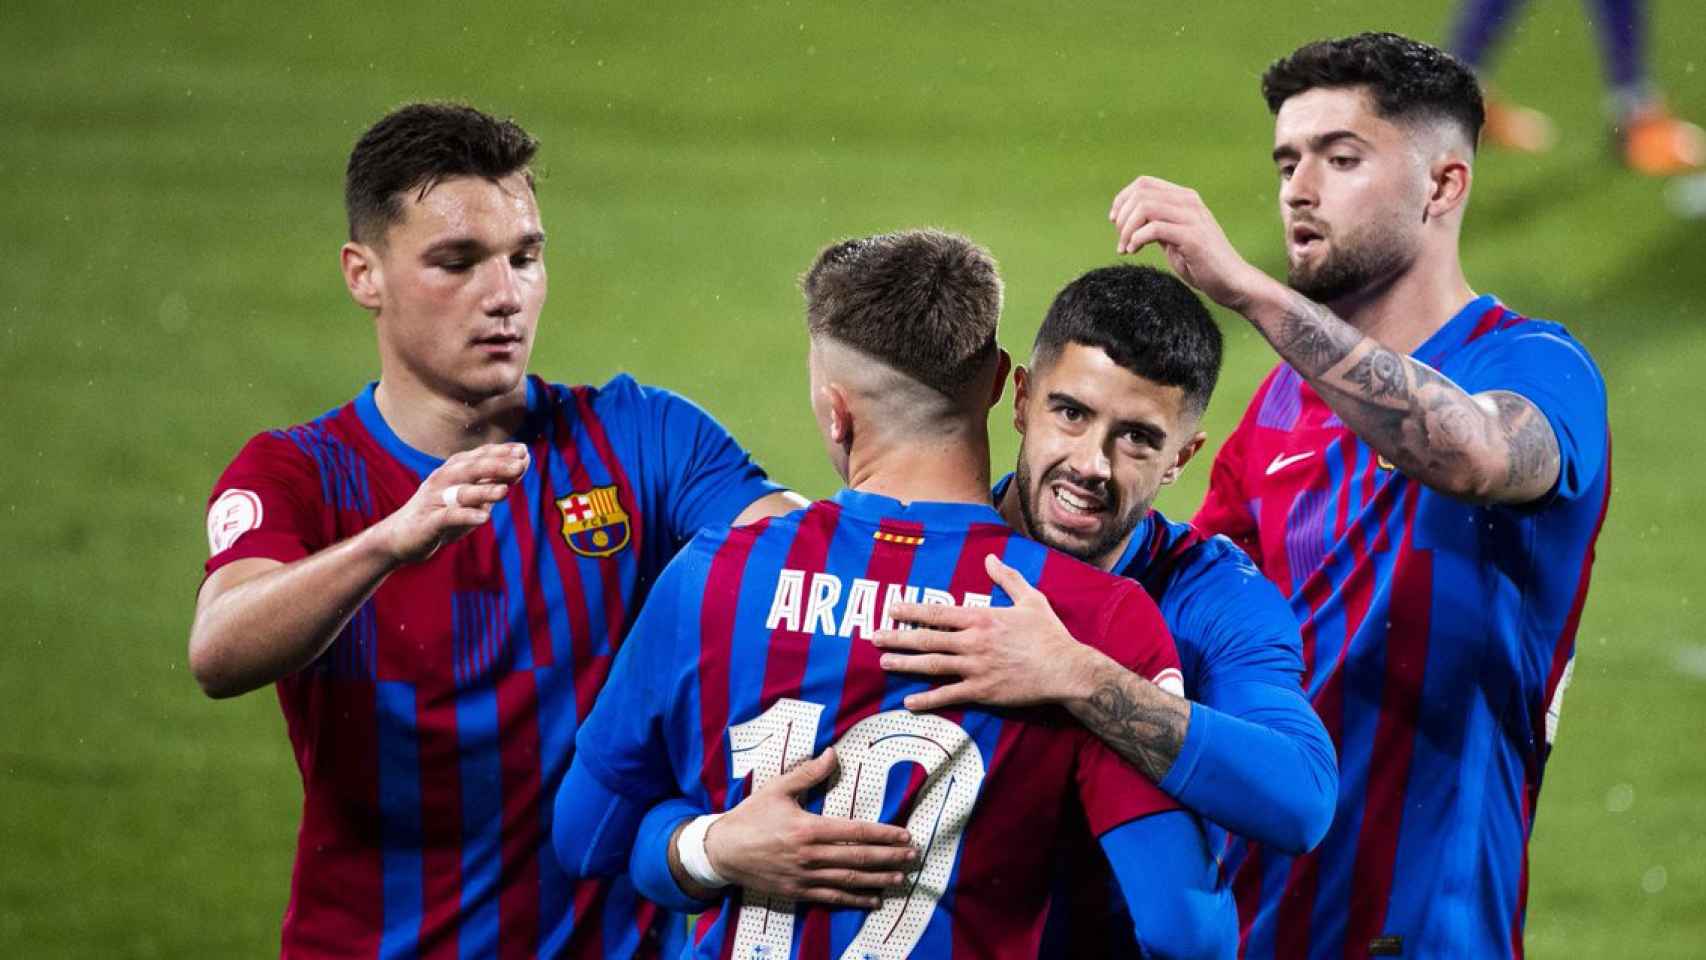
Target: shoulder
[(1514, 338)]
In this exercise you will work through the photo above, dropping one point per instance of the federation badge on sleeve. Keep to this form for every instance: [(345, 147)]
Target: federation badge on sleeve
[(235, 513), (594, 523)]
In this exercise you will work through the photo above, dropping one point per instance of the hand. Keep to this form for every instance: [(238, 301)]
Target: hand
[(452, 500), (1151, 210), (769, 845), (1004, 656)]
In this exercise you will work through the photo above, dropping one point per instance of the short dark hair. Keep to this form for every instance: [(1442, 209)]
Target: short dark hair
[(925, 302), (1408, 79), (1146, 320), (419, 145)]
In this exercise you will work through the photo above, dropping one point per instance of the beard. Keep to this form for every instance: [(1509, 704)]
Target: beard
[(1111, 536), (1364, 259)]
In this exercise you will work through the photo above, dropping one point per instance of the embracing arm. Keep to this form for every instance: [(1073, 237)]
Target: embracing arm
[(1170, 882), (258, 619)]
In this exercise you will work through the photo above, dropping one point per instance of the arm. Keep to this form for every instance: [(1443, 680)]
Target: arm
[(1255, 759), (1490, 447), (768, 844), (1169, 879), (259, 619)]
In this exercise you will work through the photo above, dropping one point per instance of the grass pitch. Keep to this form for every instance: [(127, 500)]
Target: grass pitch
[(171, 202)]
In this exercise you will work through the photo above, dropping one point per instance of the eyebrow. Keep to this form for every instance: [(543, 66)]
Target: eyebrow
[(469, 245), (1318, 143)]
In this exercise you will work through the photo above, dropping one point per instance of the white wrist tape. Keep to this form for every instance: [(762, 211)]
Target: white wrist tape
[(690, 847)]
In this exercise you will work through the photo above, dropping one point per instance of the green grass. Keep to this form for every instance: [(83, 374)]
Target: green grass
[(171, 209)]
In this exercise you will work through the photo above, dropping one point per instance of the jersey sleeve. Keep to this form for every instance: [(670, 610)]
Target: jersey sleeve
[(267, 503), (708, 478), (1256, 758), (1169, 880), (1111, 790), (1544, 365), (1225, 507)]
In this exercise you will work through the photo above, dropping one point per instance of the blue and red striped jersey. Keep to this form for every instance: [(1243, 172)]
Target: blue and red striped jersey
[(749, 658), (1438, 637), (432, 734)]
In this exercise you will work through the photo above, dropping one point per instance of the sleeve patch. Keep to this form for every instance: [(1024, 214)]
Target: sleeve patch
[(233, 514)]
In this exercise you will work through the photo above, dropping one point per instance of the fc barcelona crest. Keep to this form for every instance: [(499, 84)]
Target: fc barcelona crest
[(594, 523)]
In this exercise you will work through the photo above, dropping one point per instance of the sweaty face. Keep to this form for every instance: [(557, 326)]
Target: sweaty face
[(462, 285), (1352, 193), (1097, 443)]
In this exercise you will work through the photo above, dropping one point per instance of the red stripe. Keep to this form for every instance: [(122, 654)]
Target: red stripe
[(716, 632), (865, 682), (1485, 325), (587, 940), (589, 667), (785, 661), (441, 821), (993, 914), (616, 619), (522, 834), (1247, 894), (336, 836), (1411, 594)]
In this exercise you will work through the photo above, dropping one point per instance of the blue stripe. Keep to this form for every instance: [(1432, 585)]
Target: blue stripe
[(750, 648), (850, 549), (400, 804), (621, 929), (690, 742), (1366, 673), (556, 751), (482, 818)]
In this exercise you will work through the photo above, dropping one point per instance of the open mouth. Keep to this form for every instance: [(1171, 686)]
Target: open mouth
[(1074, 507), (1304, 237)]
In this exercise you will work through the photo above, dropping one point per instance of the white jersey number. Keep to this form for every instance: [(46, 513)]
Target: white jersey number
[(781, 738)]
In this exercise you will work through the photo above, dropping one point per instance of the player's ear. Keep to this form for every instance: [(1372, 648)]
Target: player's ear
[(1005, 363), (1448, 185), (362, 274), (1021, 388), (839, 417), (1187, 450)]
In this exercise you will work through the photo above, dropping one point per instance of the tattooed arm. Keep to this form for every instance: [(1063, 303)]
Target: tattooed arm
[(1143, 723), (1492, 447)]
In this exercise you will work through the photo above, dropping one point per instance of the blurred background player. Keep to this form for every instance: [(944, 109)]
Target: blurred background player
[(1424, 475), (1649, 139), (750, 657), (1121, 371), (437, 574)]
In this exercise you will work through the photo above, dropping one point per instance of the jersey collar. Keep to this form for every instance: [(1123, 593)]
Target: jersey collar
[(930, 513), (422, 463)]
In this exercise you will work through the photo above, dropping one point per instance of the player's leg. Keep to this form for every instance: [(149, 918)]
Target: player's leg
[(1479, 28), (1650, 139)]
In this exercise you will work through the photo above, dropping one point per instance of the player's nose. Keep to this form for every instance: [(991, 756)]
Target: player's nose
[(1299, 190), (1089, 458), (503, 294)]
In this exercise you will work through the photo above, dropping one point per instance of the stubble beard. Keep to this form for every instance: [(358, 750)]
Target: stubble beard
[(1110, 538), (1363, 260)]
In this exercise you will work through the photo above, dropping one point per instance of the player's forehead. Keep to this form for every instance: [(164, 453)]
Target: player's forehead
[(495, 213), (1319, 115), (1089, 376)]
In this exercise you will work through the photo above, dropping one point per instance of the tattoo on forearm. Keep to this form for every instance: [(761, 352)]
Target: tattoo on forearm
[(1312, 339), (1380, 373), (1148, 737), (1533, 448)]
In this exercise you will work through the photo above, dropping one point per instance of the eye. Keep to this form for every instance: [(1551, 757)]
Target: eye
[(522, 260), (455, 266), (1344, 162), (1286, 170)]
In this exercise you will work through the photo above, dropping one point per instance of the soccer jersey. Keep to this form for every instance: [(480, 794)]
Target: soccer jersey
[(431, 735), (749, 659), (1437, 641)]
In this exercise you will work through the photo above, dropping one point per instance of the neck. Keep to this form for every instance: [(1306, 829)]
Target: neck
[(950, 469), (1402, 314), (441, 426)]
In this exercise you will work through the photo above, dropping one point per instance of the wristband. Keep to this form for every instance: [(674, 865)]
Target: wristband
[(690, 847)]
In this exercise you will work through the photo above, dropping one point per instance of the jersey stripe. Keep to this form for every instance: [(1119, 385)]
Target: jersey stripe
[(400, 800)]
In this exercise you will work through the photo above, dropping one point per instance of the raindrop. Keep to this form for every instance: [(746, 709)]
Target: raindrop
[(1620, 798), (1654, 880)]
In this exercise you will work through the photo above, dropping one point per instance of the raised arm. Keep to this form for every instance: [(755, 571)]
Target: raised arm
[(259, 619), (1492, 447)]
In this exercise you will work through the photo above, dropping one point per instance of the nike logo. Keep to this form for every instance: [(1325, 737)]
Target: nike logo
[(1281, 462)]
